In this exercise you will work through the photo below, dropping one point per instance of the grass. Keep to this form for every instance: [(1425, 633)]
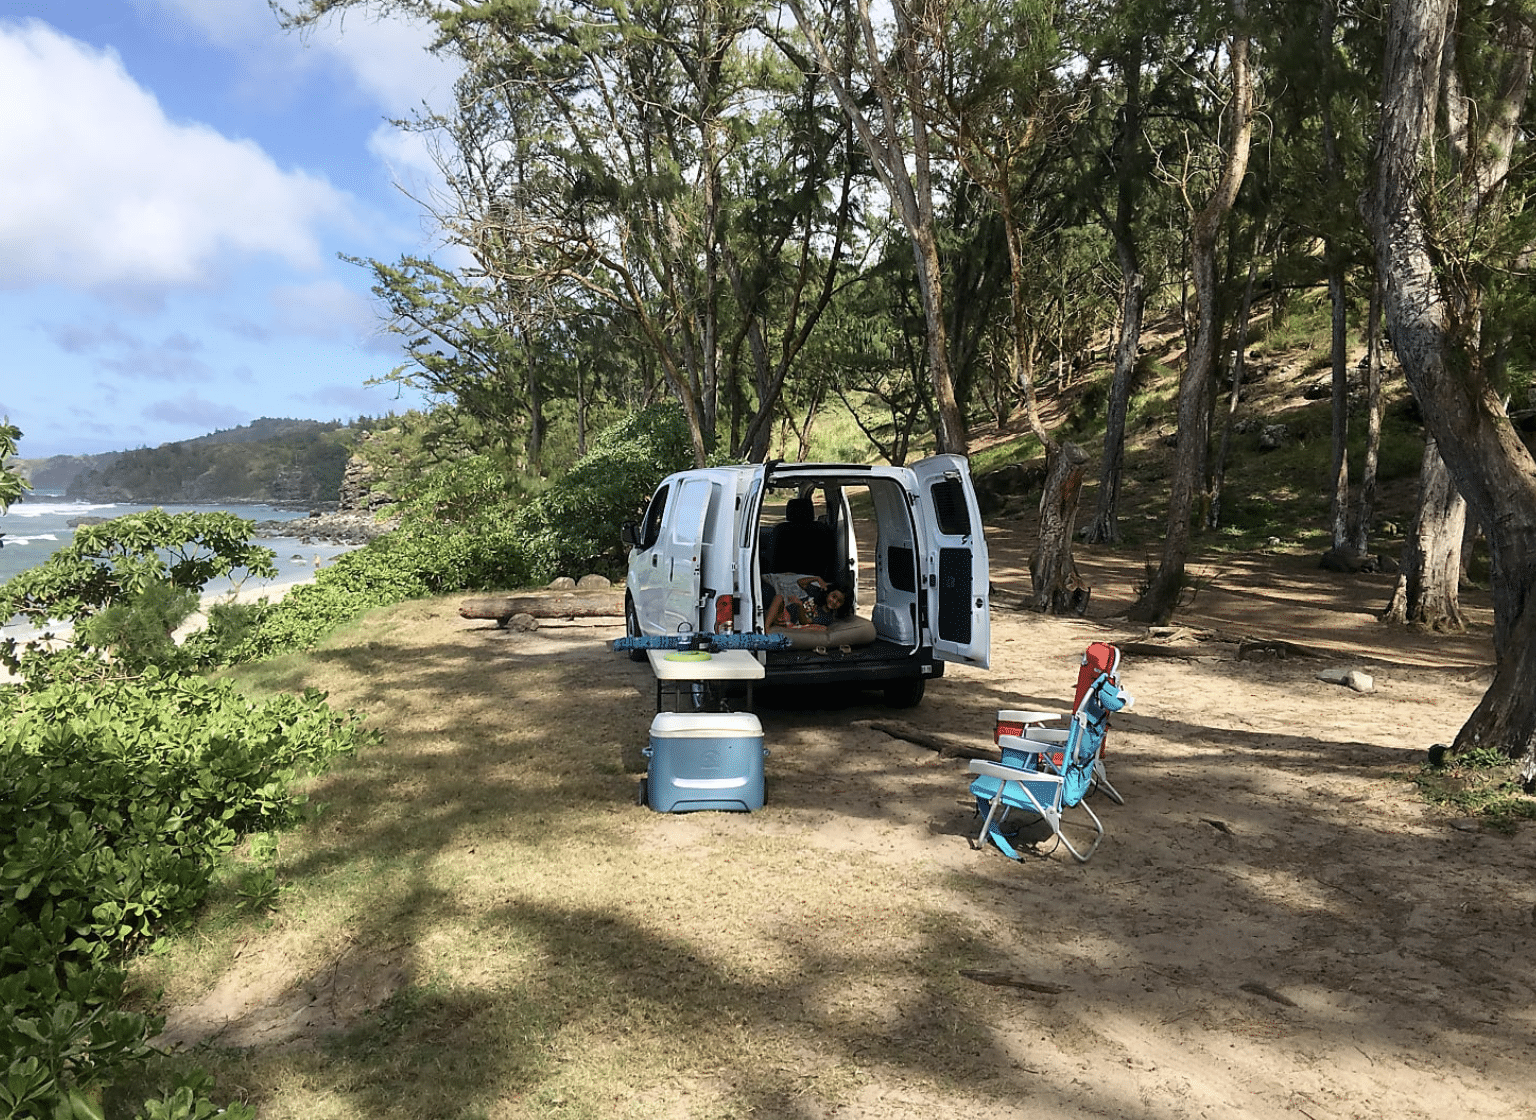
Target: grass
[(474, 922), (1481, 783)]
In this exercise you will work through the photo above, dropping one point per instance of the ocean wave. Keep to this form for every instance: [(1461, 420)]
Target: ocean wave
[(56, 509), (10, 540)]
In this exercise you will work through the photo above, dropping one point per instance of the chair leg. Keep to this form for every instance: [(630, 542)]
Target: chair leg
[(989, 833), (1084, 857), (1101, 778)]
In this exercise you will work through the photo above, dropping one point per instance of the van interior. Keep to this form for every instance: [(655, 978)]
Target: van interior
[(859, 536)]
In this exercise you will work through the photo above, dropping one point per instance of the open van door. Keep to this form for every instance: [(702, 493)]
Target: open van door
[(956, 568), (681, 557)]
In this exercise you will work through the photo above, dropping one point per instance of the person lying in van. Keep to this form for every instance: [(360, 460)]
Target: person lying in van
[(804, 602)]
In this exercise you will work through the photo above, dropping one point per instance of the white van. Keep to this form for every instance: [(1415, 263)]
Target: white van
[(905, 542)]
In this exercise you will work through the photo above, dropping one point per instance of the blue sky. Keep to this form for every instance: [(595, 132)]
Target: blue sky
[(178, 179)]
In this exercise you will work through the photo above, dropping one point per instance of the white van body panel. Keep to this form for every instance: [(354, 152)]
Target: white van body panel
[(908, 542)]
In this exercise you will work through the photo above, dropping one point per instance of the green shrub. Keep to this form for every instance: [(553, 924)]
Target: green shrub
[(573, 527), (119, 797)]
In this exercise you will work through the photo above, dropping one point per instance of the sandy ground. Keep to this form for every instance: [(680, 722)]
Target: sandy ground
[(1275, 925)]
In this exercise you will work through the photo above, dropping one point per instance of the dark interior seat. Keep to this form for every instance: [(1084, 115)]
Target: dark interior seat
[(803, 544)]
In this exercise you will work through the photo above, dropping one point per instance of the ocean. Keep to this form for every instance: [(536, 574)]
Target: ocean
[(38, 526)]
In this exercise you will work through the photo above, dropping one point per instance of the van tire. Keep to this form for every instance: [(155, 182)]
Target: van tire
[(632, 627), (905, 693)]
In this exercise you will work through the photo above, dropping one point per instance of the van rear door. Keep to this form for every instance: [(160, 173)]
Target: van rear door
[(682, 548), (956, 570)]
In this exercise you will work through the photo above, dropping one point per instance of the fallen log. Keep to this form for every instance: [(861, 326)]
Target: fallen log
[(948, 746), (546, 604)]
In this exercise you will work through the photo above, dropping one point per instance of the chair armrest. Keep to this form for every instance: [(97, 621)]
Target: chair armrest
[(1026, 744), (998, 770), (1008, 715), (1011, 773), (1055, 736)]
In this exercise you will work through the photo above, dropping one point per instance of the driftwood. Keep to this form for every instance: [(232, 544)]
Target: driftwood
[(546, 604), (948, 746), (1013, 980), (1267, 992), (1181, 641)]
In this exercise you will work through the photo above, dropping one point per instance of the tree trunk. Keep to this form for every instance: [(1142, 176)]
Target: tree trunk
[(1219, 476), (1338, 498), (1105, 528), (1430, 572), (1161, 596), (1432, 324), (1130, 175), (1365, 505), (1053, 574)]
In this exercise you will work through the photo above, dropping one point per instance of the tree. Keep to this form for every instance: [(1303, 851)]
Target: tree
[(1428, 579), (1449, 225), (898, 142), (12, 486), (998, 102), (143, 559), (1161, 596)]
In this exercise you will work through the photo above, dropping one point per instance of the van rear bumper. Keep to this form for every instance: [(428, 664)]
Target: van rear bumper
[(862, 666)]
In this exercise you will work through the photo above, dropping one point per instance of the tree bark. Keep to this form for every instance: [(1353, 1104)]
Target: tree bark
[(1130, 172), (1235, 396), (1430, 571), (1433, 327), (1058, 589), (1365, 503), (1105, 528)]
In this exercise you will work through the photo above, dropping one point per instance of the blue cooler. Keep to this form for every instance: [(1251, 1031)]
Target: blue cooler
[(705, 760)]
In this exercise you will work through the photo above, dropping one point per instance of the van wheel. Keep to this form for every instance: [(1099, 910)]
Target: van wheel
[(632, 627), (905, 693)]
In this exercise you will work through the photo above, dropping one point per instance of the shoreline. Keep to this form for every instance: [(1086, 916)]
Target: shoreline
[(273, 591)]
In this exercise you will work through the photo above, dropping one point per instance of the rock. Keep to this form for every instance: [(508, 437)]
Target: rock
[(561, 583), (1360, 682), (1466, 824), (1352, 678), (1273, 437), (523, 623), (1344, 560), (995, 489), (593, 582)]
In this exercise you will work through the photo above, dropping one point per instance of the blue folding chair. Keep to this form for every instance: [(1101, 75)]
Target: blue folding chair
[(1045, 779)]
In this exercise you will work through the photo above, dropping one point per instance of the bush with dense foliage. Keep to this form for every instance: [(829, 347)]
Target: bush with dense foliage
[(120, 795), (573, 527)]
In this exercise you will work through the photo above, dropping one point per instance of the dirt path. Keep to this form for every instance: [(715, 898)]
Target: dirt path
[(1274, 927)]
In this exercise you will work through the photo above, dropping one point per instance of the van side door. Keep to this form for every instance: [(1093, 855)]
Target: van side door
[(956, 568)]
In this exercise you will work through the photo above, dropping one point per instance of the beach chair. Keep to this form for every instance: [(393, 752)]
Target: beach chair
[(1045, 779), (1101, 658)]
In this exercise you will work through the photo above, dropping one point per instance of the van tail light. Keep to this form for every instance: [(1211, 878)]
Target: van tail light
[(725, 613)]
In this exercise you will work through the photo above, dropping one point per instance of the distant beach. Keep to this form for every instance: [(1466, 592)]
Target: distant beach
[(43, 523)]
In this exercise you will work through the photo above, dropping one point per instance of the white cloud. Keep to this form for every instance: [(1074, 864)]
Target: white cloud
[(101, 188), (386, 58)]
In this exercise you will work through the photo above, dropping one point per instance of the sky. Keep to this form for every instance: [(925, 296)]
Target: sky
[(177, 179)]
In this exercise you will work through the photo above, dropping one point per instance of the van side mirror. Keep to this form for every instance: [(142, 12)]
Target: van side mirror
[(629, 533)]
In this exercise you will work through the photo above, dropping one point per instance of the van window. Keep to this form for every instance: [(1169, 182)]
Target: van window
[(652, 527), (949, 507)]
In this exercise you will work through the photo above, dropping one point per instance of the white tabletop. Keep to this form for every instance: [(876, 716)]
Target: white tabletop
[(727, 665)]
